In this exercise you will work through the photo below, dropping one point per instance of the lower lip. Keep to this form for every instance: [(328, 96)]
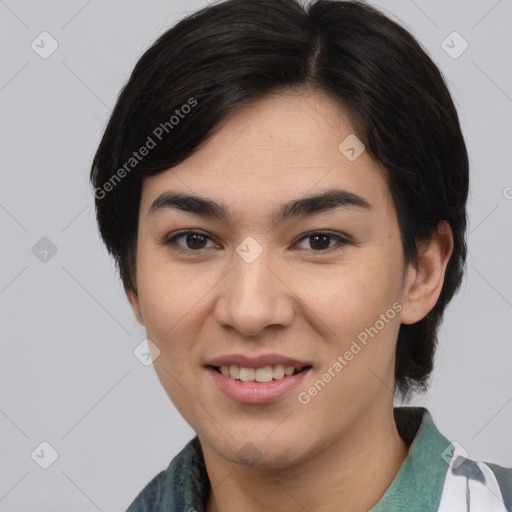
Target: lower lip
[(256, 392)]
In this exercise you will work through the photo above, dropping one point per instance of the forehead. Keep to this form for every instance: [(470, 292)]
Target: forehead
[(278, 148)]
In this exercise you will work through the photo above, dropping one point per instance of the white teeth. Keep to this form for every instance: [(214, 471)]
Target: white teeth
[(264, 374), (247, 374), (278, 371), (234, 371)]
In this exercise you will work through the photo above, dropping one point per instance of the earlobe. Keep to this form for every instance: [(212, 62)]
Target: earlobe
[(133, 299), (425, 280)]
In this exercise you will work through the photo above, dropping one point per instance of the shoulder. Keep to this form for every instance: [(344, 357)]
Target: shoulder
[(183, 485), (503, 477), (150, 498), (457, 481), (482, 483)]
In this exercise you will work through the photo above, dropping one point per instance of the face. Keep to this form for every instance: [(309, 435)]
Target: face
[(318, 288)]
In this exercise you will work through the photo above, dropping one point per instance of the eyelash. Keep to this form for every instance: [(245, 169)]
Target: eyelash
[(171, 241)]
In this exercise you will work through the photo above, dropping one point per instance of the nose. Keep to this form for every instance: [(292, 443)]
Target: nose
[(254, 296)]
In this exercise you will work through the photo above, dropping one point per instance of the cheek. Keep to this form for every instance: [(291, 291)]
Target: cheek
[(171, 300), (169, 291), (355, 306), (351, 297), (359, 344)]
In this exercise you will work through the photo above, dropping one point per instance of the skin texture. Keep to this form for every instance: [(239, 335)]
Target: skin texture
[(341, 450)]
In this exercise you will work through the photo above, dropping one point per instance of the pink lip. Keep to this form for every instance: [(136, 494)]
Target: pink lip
[(256, 362), (255, 392)]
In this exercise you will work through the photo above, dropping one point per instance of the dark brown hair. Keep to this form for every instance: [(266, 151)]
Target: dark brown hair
[(229, 54)]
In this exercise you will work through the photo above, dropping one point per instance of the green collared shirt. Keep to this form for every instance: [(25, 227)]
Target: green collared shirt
[(436, 476)]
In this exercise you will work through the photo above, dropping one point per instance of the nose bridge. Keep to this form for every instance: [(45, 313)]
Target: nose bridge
[(253, 297), (251, 270)]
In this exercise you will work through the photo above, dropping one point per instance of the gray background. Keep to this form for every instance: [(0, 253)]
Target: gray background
[(68, 375)]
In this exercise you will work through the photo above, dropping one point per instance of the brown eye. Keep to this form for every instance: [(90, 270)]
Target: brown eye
[(320, 241), (194, 241)]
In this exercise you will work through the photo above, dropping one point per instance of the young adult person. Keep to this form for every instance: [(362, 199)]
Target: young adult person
[(284, 189)]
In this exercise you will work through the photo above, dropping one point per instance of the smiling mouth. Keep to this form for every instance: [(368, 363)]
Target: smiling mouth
[(263, 374)]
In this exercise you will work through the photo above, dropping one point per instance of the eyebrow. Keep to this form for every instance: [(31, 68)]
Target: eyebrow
[(307, 206)]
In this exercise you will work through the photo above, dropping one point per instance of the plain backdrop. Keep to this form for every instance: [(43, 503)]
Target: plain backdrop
[(68, 374)]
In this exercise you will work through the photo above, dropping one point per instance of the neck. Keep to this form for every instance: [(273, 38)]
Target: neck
[(351, 474)]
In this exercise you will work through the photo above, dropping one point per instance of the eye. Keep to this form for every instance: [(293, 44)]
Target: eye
[(320, 240), (194, 241)]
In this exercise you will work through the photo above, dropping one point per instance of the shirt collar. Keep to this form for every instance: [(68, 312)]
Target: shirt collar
[(417, 486), (419, 482)]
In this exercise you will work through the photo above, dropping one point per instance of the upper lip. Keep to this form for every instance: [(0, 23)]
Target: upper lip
[(256, 362)]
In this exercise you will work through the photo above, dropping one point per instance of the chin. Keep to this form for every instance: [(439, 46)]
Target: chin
[(264, 453)]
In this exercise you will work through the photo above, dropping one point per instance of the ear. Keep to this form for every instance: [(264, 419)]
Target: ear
[(424, 281), (133, 299)]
